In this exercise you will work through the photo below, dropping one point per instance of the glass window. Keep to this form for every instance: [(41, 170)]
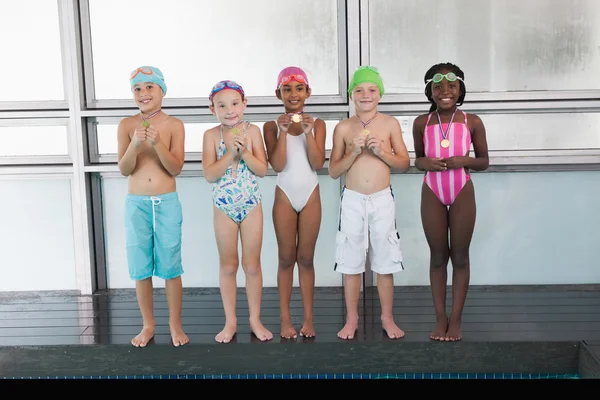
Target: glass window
[(194, 132), (501, 45), (31, 67), (555, 131), (23, 141), (201, 43)]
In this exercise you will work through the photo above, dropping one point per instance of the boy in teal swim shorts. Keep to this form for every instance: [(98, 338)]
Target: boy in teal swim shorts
[(151, 154)]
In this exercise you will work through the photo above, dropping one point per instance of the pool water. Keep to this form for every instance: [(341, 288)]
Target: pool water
[(329, 376)]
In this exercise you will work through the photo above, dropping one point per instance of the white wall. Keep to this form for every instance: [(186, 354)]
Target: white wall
[(531, 228), (36, 234)]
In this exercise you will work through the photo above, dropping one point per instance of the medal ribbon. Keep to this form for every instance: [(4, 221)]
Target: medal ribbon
[(364, 124), (445, 134), (150, 116)]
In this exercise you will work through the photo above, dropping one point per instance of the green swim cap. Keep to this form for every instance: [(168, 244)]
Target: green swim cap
[(364, 74)]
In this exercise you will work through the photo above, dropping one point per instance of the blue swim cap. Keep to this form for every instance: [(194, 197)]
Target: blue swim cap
[(148, 74)]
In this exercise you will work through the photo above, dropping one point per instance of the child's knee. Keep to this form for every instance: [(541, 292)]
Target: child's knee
[(229, 269), (251, 268), (460, 259), (287, 260), (439, 260), (305, 260)]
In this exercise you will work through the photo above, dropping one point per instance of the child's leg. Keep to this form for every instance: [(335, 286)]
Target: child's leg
[(385, 289), (140, 260), (226, 234), (175, 299), (285, 221), (251, 232), (352, 294), (350, 255), (143, 290), (385, 256), (309, 224), (462, 223), (167, 233), (434, 217)]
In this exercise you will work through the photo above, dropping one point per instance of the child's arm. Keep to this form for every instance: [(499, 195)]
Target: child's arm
[(212, 168), (127, 149), (338, 162), (315, 144), (257, 158), (397, 159), (276, 147), (171, 158)]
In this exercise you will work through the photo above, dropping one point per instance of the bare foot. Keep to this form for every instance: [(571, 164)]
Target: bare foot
[(441, 325), (308, 328), (226, 334), (453, 334), (349, 329), (391, 328), (178, 337), (287, 328), (262, 333), (142, 339)]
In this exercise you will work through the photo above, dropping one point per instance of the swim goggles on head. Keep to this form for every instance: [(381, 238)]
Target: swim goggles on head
[(297, 77), (227, 84), (450, 77), (145, 71)]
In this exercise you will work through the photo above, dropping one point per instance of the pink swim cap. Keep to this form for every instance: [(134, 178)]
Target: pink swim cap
[(288, 73)]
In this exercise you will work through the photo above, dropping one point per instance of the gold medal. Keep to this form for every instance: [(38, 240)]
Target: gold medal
[(146, 123), (296, 118), (235, 131), (366, 132), (445, 143)]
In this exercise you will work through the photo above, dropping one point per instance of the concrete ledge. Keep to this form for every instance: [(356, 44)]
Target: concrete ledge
[(407, 357), (589, 364)]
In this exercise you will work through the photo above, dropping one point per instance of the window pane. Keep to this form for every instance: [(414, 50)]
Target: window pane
[(556, 131), (194, 132), (20, 141), (32, 66), (196, 48), (500, 45)]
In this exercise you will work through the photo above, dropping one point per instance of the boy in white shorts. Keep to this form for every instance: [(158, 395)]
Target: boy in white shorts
[(365, 147)]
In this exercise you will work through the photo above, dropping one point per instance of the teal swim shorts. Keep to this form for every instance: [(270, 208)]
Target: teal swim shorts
[(153, 236)]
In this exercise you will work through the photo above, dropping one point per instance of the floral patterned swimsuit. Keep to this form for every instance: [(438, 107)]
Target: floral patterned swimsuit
[(236, 196)]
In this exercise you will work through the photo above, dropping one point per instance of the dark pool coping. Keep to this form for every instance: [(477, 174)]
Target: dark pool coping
[(324, 358)]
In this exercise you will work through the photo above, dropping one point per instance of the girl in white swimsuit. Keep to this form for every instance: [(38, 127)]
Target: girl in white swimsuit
[(296, 151)]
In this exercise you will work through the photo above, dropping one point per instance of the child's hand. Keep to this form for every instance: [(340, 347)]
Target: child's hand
[(433, 164), (307, 123), (374, 144), (230, 146), (456, 162), (359, 143), (152, 135), (139, 136), (239, 141), (284, 122)]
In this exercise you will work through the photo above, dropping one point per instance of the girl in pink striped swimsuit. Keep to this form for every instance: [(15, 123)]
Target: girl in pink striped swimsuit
[(443, 139)]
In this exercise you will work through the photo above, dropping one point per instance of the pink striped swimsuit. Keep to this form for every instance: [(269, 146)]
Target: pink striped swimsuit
[(447, 184)]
